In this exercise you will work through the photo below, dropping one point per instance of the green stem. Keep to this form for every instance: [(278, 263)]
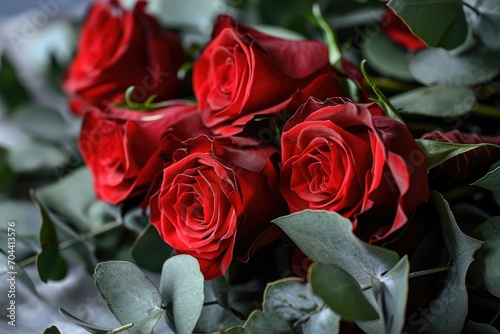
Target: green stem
[(392, 86), (69, 243), (486, 111), (121, 329), (430, 271), (419, 273), (474, 9)]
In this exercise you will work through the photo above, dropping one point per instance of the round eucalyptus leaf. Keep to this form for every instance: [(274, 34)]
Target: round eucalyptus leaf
[(182, 291), (485, 20), (40, 122), (130, 295), (30, 156), (435, 101), (387, 57), (341, 292), (441, 67)]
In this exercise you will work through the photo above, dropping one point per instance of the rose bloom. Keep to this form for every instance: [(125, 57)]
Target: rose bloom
[(243, 72), (119, 49), (121, 147), (399, 32), (350, 158), (217, 199)]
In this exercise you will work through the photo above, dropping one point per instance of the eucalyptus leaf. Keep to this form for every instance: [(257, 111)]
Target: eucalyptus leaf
[(327, 237), (29, 156), (449, 309), (437, 152), (484, 270), (62, 199), (323, 322), (130, 295), (52, 330), (263, 323), (341, 292), (6, 266), (6, 174), (89, 327), (435, 101), (477, 328), (391, 291), (439, 23), (13, 93), (49, 262), (441, 67), (182, 289), (291, 298), (387, 58), (147, 243), (485, 18), (40, 122), (490, 181)]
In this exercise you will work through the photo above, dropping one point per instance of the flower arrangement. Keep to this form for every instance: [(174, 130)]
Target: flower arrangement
[(338, 181)]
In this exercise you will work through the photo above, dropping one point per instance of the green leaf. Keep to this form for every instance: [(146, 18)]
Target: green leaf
[(334, 54), (181, 289), (475, 328), (450, 316), (490, 181), (436, 101), (130, 295), (385, 104), (323, 322), (30, 156), (90, 328), (12, 91), (147, 243), (439, 23), (327, 237), (391, 292), (341, 292), (437, 152), (386, 57), (440, 67), (238, 330), (50, 264), (263, 323), (484, 270), (62, 199), (6, 174), (20, 272), (216, 316), (40, 122), (52, 330), (486, 21)]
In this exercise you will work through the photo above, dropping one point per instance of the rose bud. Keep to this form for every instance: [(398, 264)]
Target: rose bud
[(121, 147), (118, 49), (350, 158), (243, 72), (468, 166), (217, 199)]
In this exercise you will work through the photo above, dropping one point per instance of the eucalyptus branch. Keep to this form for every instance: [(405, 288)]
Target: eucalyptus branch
[(69, 243), (121, 329), (486, 111), (419, 273)]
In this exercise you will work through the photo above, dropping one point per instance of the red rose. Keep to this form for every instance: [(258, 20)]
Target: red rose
[(243, 72), (119, 49), (217, 199), (350, 158), (399, 32), (121, 147)]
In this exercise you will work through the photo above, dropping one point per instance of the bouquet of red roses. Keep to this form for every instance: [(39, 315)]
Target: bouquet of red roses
[(257, 161)]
